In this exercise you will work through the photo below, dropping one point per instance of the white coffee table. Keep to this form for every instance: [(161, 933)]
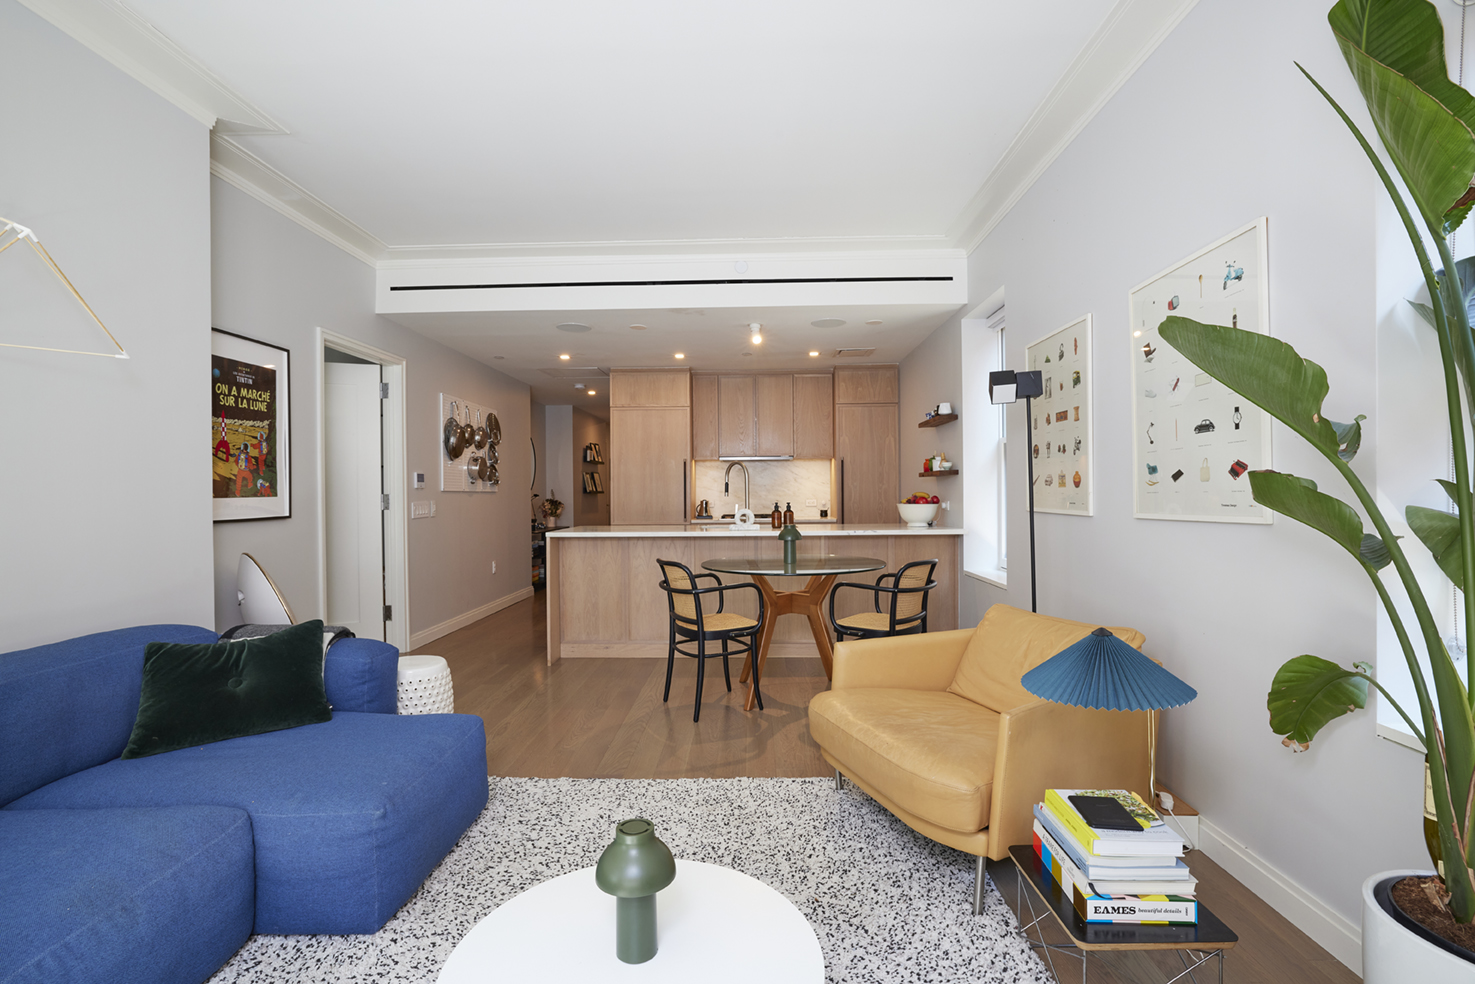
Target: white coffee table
[(713, 925)]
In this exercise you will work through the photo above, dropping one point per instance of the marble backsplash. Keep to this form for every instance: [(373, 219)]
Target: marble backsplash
[(796, 481)]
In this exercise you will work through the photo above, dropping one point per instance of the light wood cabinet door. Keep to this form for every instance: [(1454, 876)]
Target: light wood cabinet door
[(704, 417), (814, 415), (649, 465), (650, 388), (866, 439), (735, 415), (866, 384), (773, 411)]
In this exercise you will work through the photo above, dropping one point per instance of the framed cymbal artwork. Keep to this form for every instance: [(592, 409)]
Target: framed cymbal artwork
[(1064, 360), (1184, 420)]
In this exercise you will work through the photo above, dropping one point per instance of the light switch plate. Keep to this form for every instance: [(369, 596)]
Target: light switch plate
[(422, 510)]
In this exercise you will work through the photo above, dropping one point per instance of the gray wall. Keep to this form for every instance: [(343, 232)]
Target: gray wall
[(933, 375), (1216, 129), (276, 281), (114, 181), (558, 480)]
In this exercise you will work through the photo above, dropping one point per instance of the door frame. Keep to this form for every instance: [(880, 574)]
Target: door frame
[(396, 481)]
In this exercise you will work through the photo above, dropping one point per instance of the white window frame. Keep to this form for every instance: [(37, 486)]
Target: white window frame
[(985, 447)]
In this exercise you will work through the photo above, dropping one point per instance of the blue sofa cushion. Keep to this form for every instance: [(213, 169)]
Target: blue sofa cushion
[(71, 705), (348, 816), (197, 693), (104, 896), (362, 675)]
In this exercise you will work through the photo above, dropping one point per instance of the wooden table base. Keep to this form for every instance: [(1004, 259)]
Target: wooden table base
[(807, 603)]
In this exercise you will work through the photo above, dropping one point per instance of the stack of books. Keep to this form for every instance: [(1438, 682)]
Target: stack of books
[(1115, 876)]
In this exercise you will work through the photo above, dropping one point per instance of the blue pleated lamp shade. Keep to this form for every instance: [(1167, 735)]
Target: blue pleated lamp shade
[(1103, 672)]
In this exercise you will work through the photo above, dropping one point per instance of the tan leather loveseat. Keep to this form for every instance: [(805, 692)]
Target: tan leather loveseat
[(938, 729)]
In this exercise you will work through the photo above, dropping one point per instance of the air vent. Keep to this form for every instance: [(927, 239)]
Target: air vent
[(574, 372), (854, 353)]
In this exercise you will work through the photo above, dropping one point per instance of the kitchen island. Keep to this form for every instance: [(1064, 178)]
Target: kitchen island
[(604, 595)]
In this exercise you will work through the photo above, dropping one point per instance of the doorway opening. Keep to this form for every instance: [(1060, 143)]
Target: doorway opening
[(362, 486)]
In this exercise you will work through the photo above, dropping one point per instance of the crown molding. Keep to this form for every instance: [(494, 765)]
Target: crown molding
[(123, 38), (1126, 38), (238, 167)]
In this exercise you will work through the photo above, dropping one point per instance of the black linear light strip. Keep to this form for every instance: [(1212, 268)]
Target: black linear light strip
[(681, 283)]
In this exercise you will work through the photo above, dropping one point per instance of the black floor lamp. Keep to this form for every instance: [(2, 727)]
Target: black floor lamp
[(1007, 386)]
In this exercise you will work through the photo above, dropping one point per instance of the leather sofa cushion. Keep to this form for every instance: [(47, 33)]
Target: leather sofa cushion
[(347, 816), (931, 753), (1008, 644), (103, 896)]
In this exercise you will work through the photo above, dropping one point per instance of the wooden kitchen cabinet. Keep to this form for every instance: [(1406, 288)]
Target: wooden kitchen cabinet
[(735, 415), (704, 417), (650, 388), (866, 444), (649, 465), (866, 384), (814, 415), (773, 414)]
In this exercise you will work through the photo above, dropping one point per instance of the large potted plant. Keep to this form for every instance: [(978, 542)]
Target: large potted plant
[(1426, 123)]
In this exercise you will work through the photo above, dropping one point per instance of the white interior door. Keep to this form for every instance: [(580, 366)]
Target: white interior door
[(352, 495)]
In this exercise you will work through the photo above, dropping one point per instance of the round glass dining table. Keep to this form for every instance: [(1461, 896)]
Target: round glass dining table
[(821, 571)]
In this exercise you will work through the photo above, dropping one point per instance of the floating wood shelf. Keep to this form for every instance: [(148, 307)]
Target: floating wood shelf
[(939, 420), (935, 474)]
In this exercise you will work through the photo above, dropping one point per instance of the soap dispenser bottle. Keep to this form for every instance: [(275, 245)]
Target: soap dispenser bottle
[(788, 514), (777, 518)]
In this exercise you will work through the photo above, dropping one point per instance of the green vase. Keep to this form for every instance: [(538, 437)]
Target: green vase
[(633, 869)]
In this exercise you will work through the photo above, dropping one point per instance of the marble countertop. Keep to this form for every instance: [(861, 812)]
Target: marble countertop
[(718, 528)]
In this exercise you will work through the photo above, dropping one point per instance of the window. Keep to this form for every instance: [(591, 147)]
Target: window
[(985, 552)]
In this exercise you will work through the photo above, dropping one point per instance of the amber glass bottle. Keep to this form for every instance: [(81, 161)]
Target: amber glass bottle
[(788, 514), (777, 518)]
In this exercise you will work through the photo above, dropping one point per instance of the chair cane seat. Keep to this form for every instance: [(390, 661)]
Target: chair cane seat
[(723, 622), (872, 622)]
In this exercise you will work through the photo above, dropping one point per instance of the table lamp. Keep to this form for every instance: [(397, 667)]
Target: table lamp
[(1007, 386), (1103, 673)]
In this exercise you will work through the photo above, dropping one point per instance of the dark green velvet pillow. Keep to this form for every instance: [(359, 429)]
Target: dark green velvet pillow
[(196, 694)]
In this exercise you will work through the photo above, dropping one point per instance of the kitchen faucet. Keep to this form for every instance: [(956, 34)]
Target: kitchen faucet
[(726, 490)]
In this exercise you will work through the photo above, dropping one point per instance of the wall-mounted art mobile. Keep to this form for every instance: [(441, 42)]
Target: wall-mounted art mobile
[(14, 232)]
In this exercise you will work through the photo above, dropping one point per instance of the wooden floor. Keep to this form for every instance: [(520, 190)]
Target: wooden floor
[(603, 718)]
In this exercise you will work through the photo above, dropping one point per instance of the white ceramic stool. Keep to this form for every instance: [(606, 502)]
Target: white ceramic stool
[(424, 685)]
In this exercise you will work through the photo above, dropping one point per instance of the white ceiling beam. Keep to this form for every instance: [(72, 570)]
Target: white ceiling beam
[(123, 38), (1128, 36)]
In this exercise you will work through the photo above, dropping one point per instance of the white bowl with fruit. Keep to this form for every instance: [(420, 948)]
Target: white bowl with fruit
[(919, 509)]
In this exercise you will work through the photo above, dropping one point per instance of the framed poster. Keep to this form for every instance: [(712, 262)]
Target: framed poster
[(1194, 438), (1060, 431), (250, 428)]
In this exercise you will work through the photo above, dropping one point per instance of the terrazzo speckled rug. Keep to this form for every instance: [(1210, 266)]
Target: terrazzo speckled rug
[(887, 904)]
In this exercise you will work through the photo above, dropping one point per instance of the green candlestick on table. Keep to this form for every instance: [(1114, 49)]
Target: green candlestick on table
[(633, 869)]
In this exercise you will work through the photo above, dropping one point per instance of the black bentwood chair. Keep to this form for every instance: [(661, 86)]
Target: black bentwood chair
[(690, 624), (907, 612)]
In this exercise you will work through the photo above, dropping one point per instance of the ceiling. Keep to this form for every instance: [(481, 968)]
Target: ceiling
[(584, 121), (412, 135)]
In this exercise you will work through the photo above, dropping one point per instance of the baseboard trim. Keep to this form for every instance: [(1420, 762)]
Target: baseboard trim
[(1332, 931), (425, 636)]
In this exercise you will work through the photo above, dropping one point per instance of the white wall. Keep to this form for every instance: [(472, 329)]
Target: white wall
[(1216, 129), (101, 525), (276, 281), (558, 481)]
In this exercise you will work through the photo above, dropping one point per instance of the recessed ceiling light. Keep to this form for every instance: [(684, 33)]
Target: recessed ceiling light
[(1136, 334), (573, 326), (680, 355), (590, 392), (813, 354), (757, 331), (637, 327), (873, 323), (564, 357), (827, 323)]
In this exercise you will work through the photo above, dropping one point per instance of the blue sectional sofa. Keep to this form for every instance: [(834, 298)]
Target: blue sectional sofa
[(158, 868)]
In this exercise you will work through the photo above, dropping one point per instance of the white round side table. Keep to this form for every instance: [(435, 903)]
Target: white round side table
[(425, 685), (713, 925)]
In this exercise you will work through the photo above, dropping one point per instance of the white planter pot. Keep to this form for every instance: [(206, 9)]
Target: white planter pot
[(1392, 954)]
